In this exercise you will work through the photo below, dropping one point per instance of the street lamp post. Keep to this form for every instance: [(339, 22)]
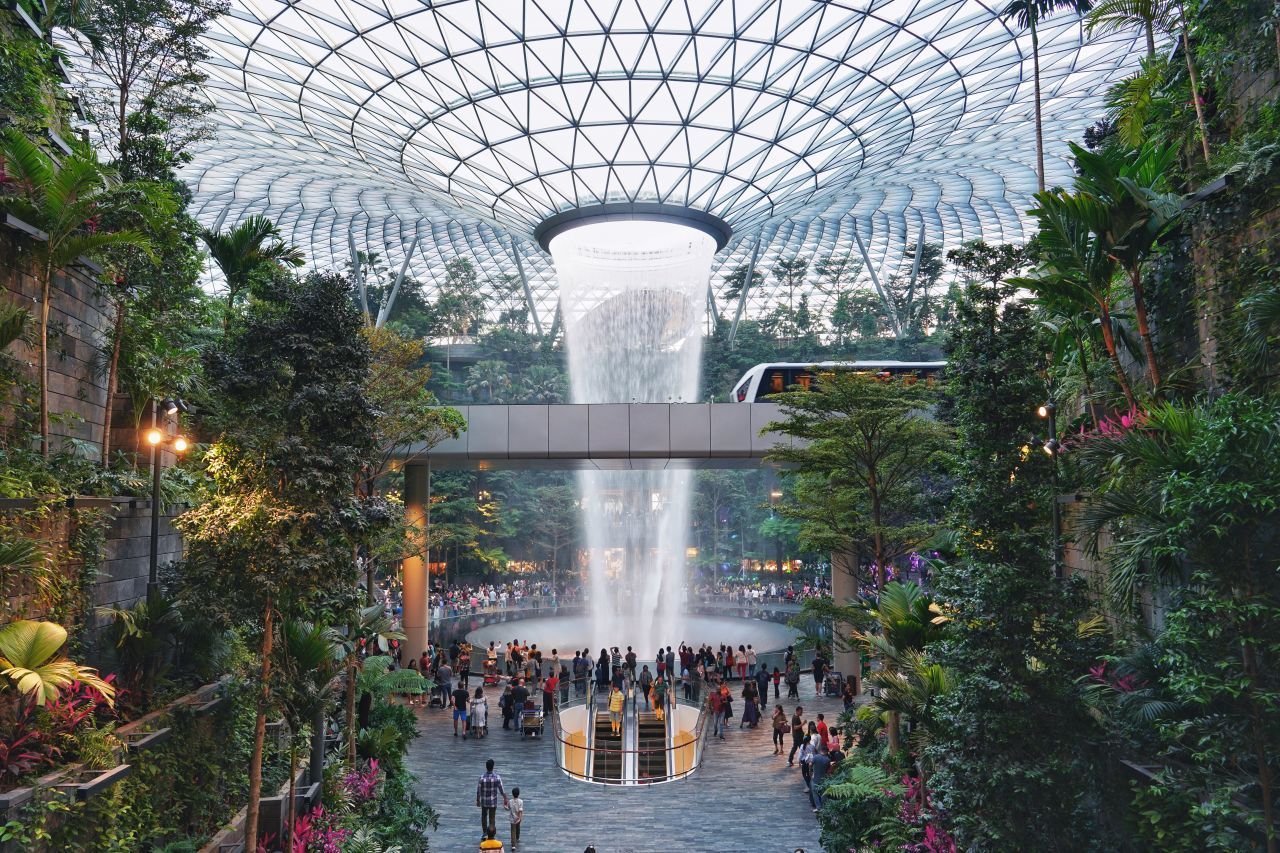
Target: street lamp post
[(1053, 447), (179, 444)]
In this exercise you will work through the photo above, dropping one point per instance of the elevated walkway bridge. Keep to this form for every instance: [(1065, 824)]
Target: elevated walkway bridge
[(608, 436)]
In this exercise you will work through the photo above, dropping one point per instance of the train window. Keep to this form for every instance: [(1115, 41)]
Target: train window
[(740, 393), (804, 379), (776, 381)]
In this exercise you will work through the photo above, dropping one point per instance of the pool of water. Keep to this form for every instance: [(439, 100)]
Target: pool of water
[(573, 631)]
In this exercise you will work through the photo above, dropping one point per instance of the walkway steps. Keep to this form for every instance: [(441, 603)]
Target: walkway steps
[(607, 749), (651, 735)]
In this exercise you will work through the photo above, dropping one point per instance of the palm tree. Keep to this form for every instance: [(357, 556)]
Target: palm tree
[(1139, 211), (1075, 267), (910, 688), (907, 620), (1167, 16), (1028, 14), (66, 201), (372, 628), (489, 380), (245, 251), (31, 661), (309, 659), (543, 383)]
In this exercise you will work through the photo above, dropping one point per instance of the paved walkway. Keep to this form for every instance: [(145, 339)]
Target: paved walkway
[(742, 799)]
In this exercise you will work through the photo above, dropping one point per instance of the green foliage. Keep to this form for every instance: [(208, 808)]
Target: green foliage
[(32, 663), (858, 800), (291, 427), (864, 471), (1011, 741)]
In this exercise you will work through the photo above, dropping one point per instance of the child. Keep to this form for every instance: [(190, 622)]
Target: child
[(490, 844), (515, 806)]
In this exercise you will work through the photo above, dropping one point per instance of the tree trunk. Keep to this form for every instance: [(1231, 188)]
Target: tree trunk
[(290, 808), (315, 772), (1108, 339), (112, 378), (350, 715), (45, 287), (1035, 72), (259, 733), (1195, 95), (1151, 39), (894, 724), (1144, 328)]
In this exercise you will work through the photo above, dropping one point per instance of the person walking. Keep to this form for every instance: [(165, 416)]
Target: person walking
[(460, 700), (444, 677), (659, 697), (819, 764), (726, 699), (515, 809), (780, 729), (615, 709), (549, 693), (478, 714), (741, 659), (793, 681), (728, 664), (645, 681), (629, 665), (519, 696), (797, 735), (806, 769), (819, 672), (488, 790), (506, 704), (761, 679), (750, 706), (777, 684), (717, 714), (751, 660)]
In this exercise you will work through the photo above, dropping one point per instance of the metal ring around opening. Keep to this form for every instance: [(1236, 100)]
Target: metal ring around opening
[(713, 226)]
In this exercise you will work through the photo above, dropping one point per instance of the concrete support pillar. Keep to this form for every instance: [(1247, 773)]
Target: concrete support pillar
[(844, 589), (415, 573)]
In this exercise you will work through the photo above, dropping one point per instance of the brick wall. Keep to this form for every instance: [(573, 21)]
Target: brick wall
[(79, 322)]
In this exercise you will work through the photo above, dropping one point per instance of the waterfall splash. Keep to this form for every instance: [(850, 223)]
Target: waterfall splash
[(633, 297)]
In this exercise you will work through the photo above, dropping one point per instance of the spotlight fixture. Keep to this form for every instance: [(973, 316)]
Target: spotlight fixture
[(1047, 409), (180, 444), (169, 406), (154, 437), (1051, 447)]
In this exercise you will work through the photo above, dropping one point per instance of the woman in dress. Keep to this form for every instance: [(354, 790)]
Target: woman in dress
[(478, 714), (751, 708)]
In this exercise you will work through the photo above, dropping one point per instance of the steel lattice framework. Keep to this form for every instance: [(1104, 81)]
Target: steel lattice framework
[(460, 125)]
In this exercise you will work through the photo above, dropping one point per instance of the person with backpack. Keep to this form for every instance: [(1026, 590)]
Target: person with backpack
[(793, 681)]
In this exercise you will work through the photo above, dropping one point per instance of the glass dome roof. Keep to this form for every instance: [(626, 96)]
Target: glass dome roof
[(801, 124)]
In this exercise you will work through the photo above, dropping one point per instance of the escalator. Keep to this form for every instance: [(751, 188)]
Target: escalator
[(651, 746), (606, 751)]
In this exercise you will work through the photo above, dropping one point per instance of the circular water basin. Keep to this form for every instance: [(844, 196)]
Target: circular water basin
[(571, 632)]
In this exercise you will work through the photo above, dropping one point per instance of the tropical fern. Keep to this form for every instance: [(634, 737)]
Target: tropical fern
[(863, 780)]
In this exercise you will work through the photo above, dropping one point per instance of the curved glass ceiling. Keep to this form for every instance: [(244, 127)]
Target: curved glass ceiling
[(467, 123)]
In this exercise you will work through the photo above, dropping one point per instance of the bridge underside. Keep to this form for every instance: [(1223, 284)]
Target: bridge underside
[(640, 436)]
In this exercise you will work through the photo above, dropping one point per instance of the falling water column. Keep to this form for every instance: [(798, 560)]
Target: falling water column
[(633, 297)]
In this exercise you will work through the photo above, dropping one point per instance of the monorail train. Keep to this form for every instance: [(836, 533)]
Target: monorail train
[(765, 379)]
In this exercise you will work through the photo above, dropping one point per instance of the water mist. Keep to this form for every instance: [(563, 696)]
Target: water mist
[(633, 296)]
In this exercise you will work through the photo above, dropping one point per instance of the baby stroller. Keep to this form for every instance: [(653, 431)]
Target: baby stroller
[(833, 684), (531, 720), (490, 673)]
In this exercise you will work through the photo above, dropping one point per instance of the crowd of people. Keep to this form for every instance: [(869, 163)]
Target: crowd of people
[(744, 592), (463, 599)]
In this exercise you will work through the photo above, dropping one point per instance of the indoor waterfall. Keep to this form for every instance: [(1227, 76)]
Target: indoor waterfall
[(633, 299)]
